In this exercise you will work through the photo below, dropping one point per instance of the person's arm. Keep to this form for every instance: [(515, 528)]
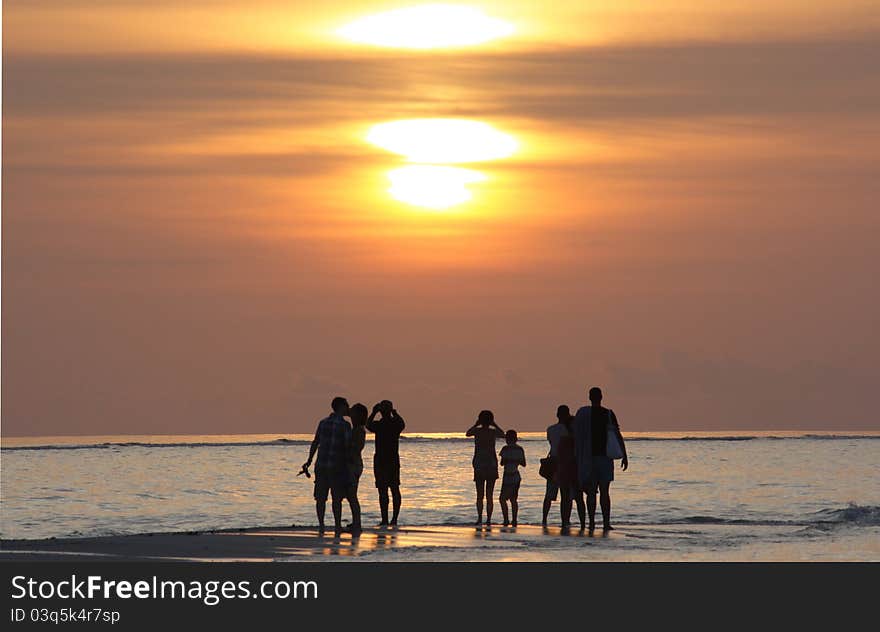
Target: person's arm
[(313, 449), (472, 430), (371, 422), (401, 424), (523, 460), (498, 431), (624, 462), (359, 441)]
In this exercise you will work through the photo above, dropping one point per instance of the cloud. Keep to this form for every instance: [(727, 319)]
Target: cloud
[(818, 76)]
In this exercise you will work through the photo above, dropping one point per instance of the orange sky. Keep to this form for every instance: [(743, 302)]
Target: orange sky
[(198, 238)]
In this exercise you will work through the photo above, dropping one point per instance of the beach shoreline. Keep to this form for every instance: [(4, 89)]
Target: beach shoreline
[(450, 543)]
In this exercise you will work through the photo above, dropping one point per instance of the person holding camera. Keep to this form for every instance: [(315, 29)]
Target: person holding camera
[(386, 460), (332, 443)]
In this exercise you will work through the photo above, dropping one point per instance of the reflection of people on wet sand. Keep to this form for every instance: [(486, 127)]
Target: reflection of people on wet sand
[(485, 461), (332, 442), (512, 456), (386, 460), (598, 442)]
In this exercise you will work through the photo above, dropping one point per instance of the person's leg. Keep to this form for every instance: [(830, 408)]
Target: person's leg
[(336, 495), (514, 506), (321, 510), (581, 508), (503, 500), (383, 504), (605, 502), (321, 491), (490, 489), (479, 484), (565, 505), (591, 503), (550, 493), (355, 506), (395, 498)]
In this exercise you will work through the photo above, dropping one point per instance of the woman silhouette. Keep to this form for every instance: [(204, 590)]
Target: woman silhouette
[(485, 431)]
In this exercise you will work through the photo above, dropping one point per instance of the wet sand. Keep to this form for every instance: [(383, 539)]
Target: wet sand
[(259, 544), (439, 543)]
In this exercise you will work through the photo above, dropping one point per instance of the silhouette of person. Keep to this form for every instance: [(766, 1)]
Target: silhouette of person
[(595, 467), (485, 431), (332, 442), (561, 438), (358, 415), (386, 460), (512, 456)]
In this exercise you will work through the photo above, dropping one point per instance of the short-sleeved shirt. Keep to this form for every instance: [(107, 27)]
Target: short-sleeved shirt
[(334, 440), (599, 430), (513, 456), (555, 433), (600, 421), (387, 431)]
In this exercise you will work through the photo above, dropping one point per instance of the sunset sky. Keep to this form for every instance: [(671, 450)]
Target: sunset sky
[(214, 219)]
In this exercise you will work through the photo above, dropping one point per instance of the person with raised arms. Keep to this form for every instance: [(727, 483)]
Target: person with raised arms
[(386, 459), (485, 462)]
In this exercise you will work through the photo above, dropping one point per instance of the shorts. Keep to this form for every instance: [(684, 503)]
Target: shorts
[(601, 470), (326, 483), (510, 482), (386, 474), (551, 492), (509, 491), (486, 473), (485, 467)]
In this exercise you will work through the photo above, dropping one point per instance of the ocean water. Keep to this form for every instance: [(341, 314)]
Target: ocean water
[(685, 496)]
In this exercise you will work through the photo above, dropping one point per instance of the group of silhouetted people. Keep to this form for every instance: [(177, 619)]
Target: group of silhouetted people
[(339, 465), (580, 462)]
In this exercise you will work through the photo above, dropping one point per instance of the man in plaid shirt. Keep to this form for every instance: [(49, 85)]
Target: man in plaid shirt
[(332, 442)]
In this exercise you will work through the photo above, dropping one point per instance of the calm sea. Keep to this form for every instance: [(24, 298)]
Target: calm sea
[(769, 495)]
